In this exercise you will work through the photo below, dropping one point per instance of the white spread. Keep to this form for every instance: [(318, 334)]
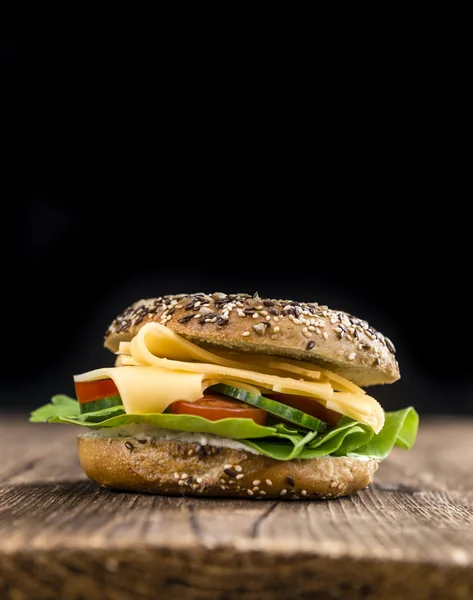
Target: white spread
[(142, 431)]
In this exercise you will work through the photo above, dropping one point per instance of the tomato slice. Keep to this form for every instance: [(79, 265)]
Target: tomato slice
[(309, 406), (214, 408), (88, 391)]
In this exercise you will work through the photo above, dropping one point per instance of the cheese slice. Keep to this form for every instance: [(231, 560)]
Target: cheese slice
[(186, 350), (167, 344), (150, 389), (148, 340), (362, 408)]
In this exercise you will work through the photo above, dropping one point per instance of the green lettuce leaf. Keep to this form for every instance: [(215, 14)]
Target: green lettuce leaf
[(278, 440), (400, 429), (60, 406)]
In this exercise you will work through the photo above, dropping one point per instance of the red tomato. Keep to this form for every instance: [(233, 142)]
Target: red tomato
[(88, 391), (309, 406), (216, 407)]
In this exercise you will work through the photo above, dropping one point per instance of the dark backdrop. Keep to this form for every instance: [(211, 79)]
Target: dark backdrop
[(125, 179)]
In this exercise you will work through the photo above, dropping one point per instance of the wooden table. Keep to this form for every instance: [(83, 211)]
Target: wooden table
[(409, 536)]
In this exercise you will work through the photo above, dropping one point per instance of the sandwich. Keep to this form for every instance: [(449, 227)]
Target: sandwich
[(234, 395)]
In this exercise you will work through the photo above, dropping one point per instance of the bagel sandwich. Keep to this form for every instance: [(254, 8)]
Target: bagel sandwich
[(234, 395)]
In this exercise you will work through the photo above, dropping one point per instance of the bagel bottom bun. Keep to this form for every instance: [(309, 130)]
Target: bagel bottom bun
[(181, 468)]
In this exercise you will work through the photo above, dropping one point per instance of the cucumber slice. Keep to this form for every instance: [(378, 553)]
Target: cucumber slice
[(100, 404), (272, 406)]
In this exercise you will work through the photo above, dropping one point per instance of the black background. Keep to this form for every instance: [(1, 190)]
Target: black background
[(135, 169)]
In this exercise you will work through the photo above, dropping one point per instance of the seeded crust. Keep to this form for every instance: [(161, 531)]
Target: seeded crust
[(171, 468), (304, 331)]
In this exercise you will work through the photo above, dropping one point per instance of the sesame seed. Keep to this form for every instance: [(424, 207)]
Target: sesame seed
[(256, 488), (317, 330), (307, 334), (305, 330), (256, 482), (276, 319), (303, 492), (297, 321), (260, 329), (250, 492), (227, 467), (223, 487), (237, 468), (255, 315), (269, 482), (263, 312), (268, 318), (181, 482), (240, 313), (351, 356), (333, 484), (390, 345), (262, 492), (283, 492), (185, 319), (338, 329), (245, 334), (191, 452), (325, 335), (276, 329), (311, 328), (184, 476), (199, 480), (176, 475), (240, 476)]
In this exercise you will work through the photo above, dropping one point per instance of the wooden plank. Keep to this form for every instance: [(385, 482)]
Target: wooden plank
[(410, 535)]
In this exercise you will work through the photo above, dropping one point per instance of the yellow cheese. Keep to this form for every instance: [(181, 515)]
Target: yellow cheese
[(362, 408), (149, 338), (124, 360), (312, 371), (164, 343), (150, 389)]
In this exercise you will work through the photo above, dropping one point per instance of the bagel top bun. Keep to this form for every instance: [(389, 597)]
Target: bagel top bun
[(305, 331)]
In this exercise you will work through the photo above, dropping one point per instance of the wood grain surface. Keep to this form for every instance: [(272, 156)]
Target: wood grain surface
[(409, 535)]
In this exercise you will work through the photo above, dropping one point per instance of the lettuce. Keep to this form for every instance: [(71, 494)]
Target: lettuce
[(275, 440)]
